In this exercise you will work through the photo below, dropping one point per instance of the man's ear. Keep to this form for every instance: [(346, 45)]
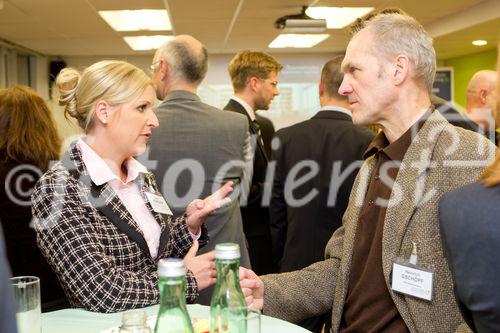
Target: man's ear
[(102, 109), (321, 88), (483, 94), (401, 69), (164, 69), (253, 83)]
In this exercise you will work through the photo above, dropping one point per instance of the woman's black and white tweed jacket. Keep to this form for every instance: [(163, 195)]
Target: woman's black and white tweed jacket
[(93, 244)]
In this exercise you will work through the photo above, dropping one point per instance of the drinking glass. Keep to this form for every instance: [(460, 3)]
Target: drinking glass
[(253, 321), (27, 296)]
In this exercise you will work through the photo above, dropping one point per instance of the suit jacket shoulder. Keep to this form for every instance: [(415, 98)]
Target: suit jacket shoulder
[(470, 230)]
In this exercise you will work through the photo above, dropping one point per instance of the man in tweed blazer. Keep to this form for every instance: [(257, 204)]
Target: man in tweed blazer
[(389, 68)]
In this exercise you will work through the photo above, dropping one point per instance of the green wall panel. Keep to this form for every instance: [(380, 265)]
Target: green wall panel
[(465, 66)]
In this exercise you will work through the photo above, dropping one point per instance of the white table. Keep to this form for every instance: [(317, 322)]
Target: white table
[(82, 321)]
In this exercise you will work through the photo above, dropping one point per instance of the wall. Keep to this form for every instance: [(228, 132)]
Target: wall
[(298, 80), (465, 66)]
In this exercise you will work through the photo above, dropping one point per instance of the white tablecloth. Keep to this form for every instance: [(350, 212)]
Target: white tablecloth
[(81, 321)]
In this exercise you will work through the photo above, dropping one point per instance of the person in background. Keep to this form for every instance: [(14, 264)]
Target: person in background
[(29, 141), (454, 117), (193, 133), (7, 302), (100, 220), (254, 76), (301, 229), (391, 225), (470, 227), (482, 99)]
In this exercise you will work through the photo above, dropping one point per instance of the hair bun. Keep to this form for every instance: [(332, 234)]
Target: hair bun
[(67, 83)]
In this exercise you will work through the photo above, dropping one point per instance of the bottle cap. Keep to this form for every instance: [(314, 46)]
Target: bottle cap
[(227, 251), (171, 267)]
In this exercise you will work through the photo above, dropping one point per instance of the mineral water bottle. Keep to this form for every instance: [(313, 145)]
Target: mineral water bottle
[(173, 316), (228, 309)]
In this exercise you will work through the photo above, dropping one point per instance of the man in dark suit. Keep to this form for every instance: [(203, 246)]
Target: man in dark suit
[(329, 140), (255, 81), (194, 136), (325, 152)]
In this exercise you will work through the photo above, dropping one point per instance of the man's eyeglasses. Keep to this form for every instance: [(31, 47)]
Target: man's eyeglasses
[(152, 67), (273, 83)]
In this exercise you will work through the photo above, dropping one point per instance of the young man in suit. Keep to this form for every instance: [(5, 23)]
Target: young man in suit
[(391, 224), (255, 82), (197, 146)]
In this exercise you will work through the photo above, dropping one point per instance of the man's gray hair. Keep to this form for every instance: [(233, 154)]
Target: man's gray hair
[(401, 34), (186, 61)]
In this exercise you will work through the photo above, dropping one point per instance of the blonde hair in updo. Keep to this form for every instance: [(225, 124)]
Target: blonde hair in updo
[(116, 82)]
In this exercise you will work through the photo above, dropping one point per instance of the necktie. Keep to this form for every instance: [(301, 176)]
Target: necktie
[(259, 134)]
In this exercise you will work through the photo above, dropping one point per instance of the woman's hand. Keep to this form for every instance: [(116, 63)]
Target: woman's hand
[(198, 210), (202, 266)]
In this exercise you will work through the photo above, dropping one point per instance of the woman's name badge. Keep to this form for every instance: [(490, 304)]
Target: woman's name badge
[(412, 280), (158, 203)]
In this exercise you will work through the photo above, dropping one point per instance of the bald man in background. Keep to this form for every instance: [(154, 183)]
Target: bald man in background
[(206, 146), (482, 98)]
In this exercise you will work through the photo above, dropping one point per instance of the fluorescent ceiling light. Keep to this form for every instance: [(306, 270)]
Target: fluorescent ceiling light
[(137, 20), (338, 17), (479, 42), (143, 43), (297, 40)]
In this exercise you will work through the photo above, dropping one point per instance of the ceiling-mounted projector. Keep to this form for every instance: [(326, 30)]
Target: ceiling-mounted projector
[(300, 23)]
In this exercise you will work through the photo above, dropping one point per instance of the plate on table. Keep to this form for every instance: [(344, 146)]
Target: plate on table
[(199, 325)]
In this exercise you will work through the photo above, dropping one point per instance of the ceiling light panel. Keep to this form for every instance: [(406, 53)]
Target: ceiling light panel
[(338, 17), (297, 40), (479, 42), (137, 20), (144, 43)]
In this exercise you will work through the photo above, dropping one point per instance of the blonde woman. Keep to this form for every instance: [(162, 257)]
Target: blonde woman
[(100, 220)]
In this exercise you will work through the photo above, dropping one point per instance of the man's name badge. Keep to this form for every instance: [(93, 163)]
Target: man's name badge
[(158, 203), (412, 280)]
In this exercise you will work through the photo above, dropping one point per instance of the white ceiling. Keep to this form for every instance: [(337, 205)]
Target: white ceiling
[(73, 27)]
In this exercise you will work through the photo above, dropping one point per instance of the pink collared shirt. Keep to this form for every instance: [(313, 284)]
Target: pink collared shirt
[(127, 191)]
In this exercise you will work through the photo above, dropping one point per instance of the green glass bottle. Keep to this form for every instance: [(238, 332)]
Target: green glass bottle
[(172, 316), (228, 310)]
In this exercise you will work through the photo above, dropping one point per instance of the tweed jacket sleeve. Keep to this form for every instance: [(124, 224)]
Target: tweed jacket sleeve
[(99, 266), (298, 295)]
